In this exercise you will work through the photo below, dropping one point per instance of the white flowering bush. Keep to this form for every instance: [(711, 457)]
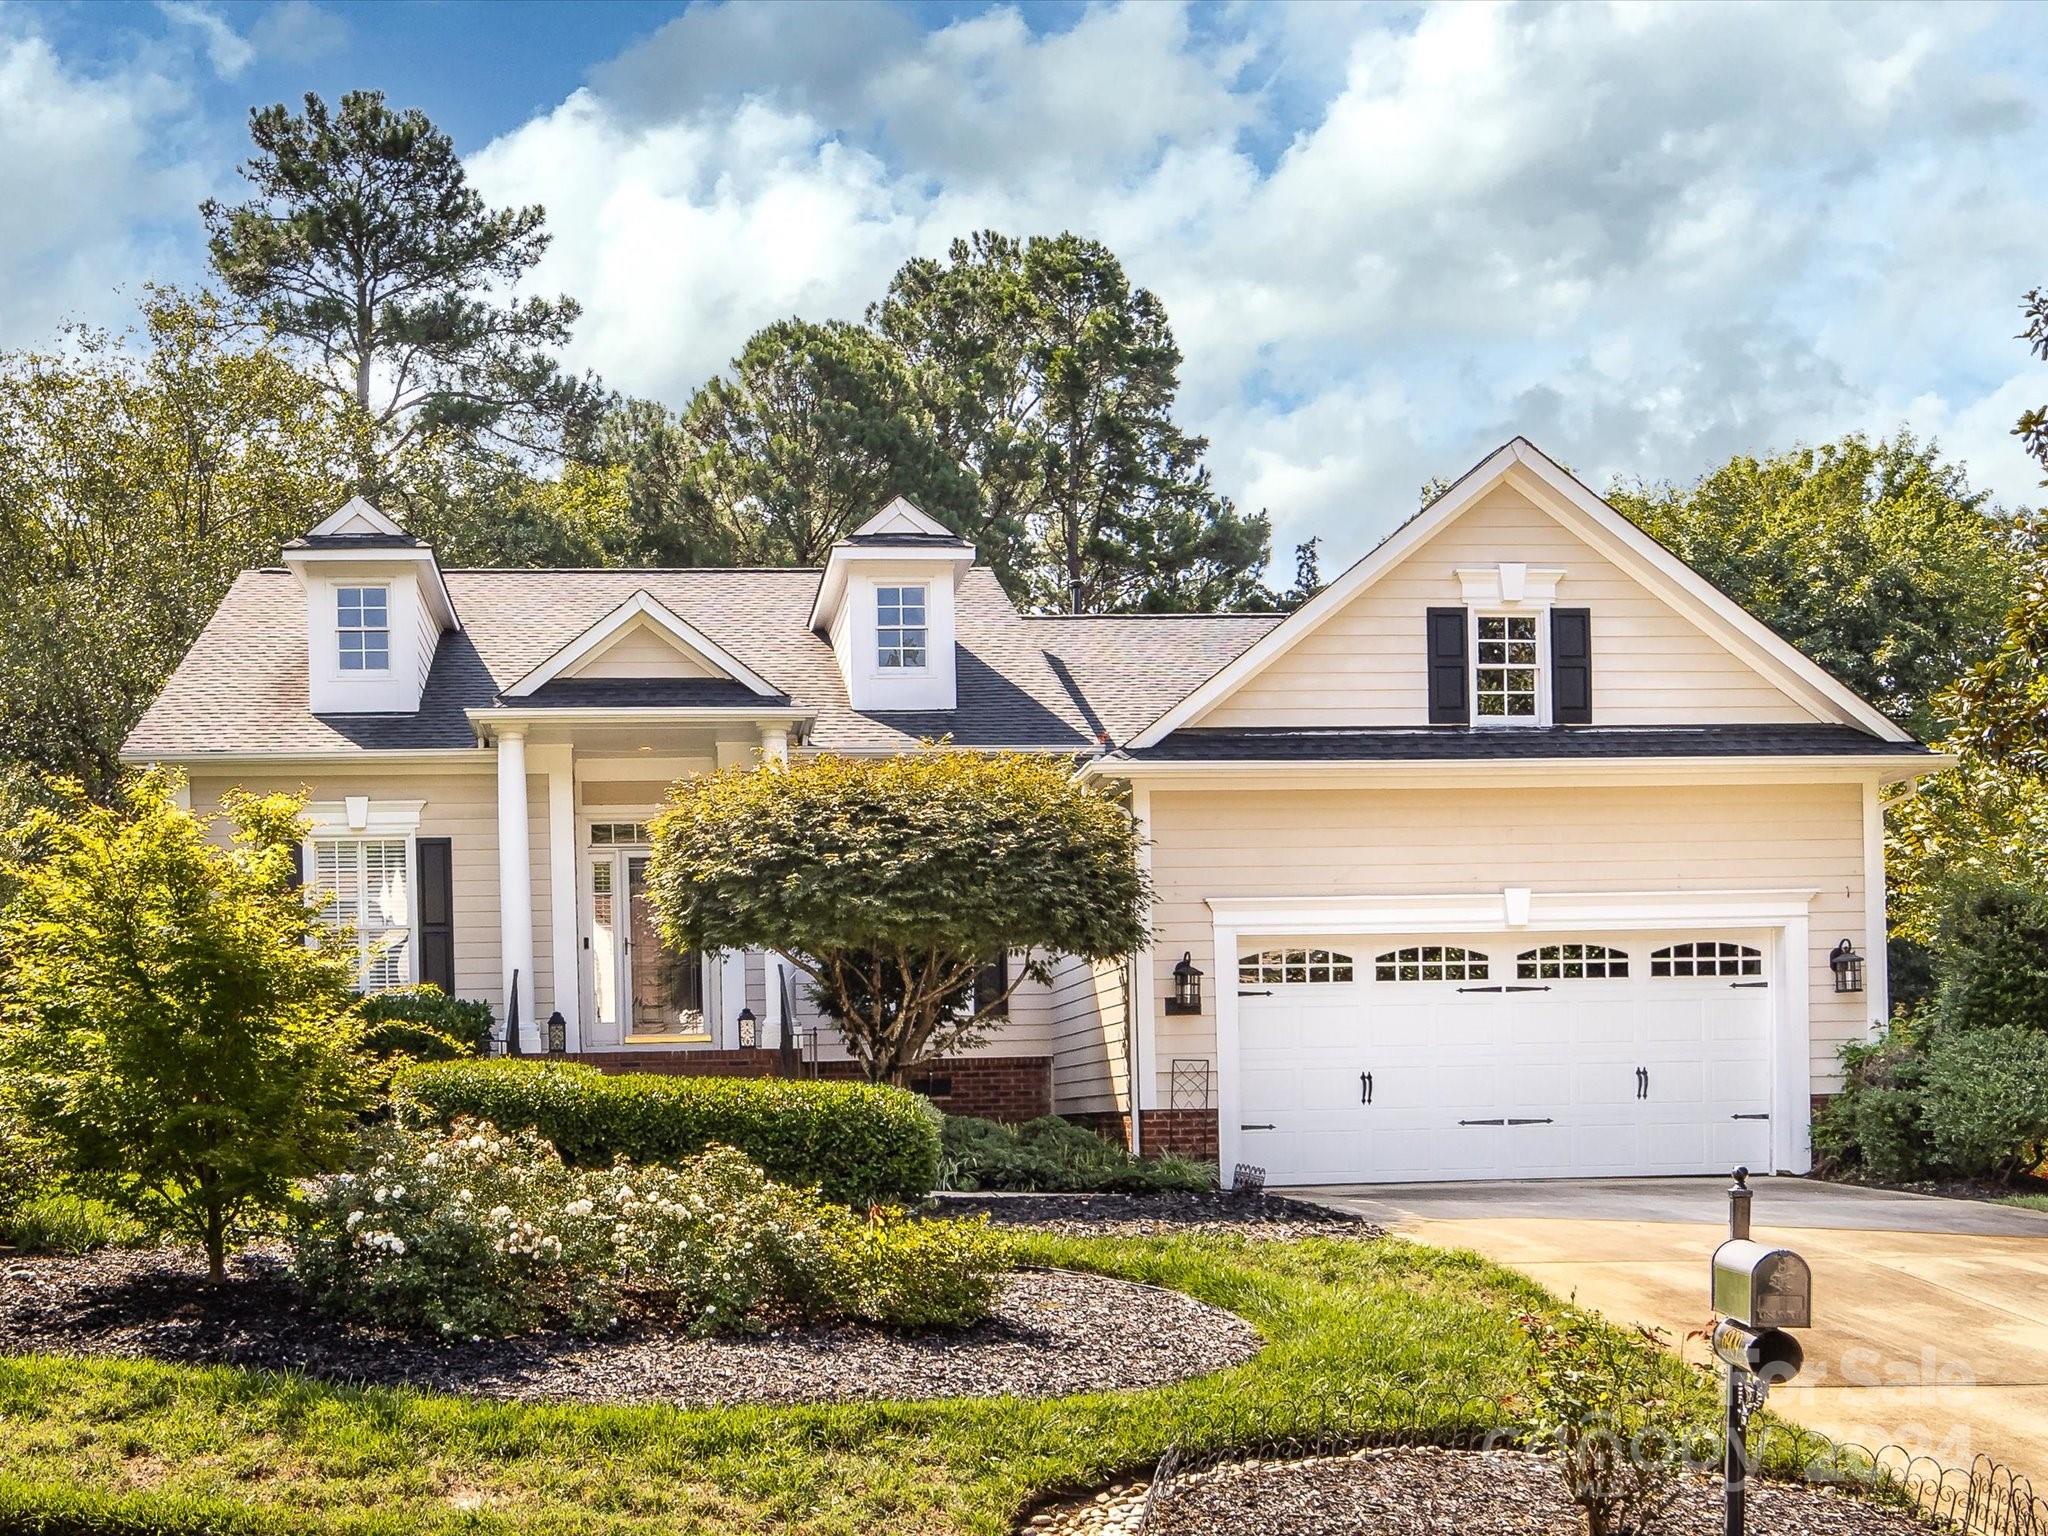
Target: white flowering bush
[(474, 1232)]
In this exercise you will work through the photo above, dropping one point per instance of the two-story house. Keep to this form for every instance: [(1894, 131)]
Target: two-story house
[(1518, 851)]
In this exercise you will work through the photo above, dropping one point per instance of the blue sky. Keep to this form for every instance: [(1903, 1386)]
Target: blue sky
[(1389, 237)]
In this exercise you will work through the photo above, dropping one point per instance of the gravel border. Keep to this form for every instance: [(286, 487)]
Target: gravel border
[(1165, 1213), (1053, 1333), (1425, 1491)]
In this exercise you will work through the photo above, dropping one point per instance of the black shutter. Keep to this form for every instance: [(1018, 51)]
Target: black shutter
[(994, 981), (1571, 666), (437, 912), (298, 866), (1447, 702)]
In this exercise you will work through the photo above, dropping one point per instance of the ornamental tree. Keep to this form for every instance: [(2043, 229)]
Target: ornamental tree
[(174, 1019), (894, 880)]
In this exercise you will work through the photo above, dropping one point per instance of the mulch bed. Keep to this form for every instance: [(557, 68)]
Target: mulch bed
[(1430, 1492), (1168, 1213), (1053, 1333)]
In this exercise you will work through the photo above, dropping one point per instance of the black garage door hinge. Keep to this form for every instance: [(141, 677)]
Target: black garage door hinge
[(1749, 983), (1243, 993), (1482, 1122), (1256, 1127), (1749, 1117)]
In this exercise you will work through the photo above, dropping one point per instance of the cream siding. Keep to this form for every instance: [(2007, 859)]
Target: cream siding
[(1310, 842), (462, 807), (1090, 1038), (1366, 664)]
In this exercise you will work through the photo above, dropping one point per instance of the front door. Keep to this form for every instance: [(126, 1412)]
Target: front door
[(641, 993)]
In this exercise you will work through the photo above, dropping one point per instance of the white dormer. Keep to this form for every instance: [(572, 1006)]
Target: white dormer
[(886, 601), (376, 608)]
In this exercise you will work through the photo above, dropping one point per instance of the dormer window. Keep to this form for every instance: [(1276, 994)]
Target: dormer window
[(899, 626), (1507, 669), (363, 624)]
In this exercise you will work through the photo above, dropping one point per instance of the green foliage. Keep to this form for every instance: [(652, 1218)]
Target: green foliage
[(492, 509), (1875, 558), (365, 244), (174, 1020), (896, 879), (1603, 1404), (1876, 1123), (2002, 702), (143, 474), (472, 1231), (61, 1221), (28, 1168), (1987, 1101), (858, 1144), (2032, 430), (1050, 1153), (425, 1023), (819, 428), (1975, 828), (1053, 379), (1992, 953)]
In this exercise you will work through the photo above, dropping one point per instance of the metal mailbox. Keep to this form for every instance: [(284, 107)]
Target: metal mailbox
[(1761, 1287)]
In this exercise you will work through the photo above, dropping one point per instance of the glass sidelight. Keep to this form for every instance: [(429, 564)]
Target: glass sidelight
[(640, 990)]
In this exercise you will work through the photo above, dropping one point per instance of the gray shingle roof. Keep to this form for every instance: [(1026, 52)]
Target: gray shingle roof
[(1441, 743), (1022, 682)]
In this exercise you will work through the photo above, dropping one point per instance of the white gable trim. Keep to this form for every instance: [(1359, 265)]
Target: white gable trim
[(357, 516), (900, 516), (1650, 562), (642, 605)]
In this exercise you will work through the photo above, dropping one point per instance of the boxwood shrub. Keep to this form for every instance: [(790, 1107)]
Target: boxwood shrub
[(859, 1145), (425, 1023)]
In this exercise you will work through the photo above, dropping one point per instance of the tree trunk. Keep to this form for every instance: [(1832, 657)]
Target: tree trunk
[(216, 1243)]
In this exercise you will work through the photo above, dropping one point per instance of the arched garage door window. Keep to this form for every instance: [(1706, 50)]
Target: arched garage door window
[(1706, 957), (1430, 962), (1283, 966)]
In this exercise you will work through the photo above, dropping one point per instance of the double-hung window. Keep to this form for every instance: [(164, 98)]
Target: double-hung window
[(368, 885), (1507, 669), (899, 627), (362, 617)]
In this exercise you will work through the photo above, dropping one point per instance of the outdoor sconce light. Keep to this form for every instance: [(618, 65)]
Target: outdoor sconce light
[(1187, 987), (558, 1034), (1847, 966), (750, 1029)]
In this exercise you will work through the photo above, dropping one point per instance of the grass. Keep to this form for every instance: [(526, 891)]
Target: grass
[(1345, 1321), (2026, 1202), (61, 1222)]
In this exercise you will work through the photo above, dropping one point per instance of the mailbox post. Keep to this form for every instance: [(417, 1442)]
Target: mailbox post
[(1759, 1293)]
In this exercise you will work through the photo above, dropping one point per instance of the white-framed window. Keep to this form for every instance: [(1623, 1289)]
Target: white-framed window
[(1295, 966), (362, 618), (1507, 668), (605, 834), (899, 627), (367, 883), (1430, 962), (1706, 957), (1571, 962)]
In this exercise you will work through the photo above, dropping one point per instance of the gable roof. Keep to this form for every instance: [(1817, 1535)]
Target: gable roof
[(241, 688), (1633, 550), (642, 605)]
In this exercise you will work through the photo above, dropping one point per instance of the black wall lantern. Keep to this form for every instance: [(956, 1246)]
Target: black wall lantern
[(1187, 986), (1847, 966), (750, 1029), (558, 1034)]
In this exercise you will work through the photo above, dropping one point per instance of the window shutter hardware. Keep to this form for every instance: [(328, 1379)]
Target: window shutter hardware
[(1448, 647), (1571, 666)]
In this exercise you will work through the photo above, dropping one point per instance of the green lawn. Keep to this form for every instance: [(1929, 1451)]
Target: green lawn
[(1345, 1321), (2026, 1202)]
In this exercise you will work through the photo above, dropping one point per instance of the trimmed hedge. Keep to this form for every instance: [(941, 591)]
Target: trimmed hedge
[(859, 1145), (425, 1023)]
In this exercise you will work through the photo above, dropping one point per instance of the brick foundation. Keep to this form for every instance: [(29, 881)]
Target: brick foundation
[(1011, 1088), (1184, 1132)]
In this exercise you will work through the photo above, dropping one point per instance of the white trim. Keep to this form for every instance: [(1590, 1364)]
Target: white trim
[(1784, 913), (732, 997), (1474, 617), (440, 760), (832, 584), (1655, 566), (1144, 1088), (642, 605), (385, 556), (1510, 584), (356, 510), (559, 765), (515, 882), (497, 719), (360, 816), (904, 516), (1877, 977), (1548, 772)]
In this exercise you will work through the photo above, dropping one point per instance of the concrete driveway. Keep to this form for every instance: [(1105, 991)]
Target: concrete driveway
[(1931, 1316)]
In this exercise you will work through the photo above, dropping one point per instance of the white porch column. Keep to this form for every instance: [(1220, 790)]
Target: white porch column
[(515, 882), (775, 744), (563, 891), (1143, 1023)]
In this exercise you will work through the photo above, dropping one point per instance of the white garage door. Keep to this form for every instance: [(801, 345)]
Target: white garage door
[(1503, 1057)]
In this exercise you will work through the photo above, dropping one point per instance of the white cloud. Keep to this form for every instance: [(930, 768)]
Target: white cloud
[(1648, 236), (298, 32), (229, 52)]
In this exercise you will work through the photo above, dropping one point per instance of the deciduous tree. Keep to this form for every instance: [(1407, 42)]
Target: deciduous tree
[(173, 1018), (895, 880)]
